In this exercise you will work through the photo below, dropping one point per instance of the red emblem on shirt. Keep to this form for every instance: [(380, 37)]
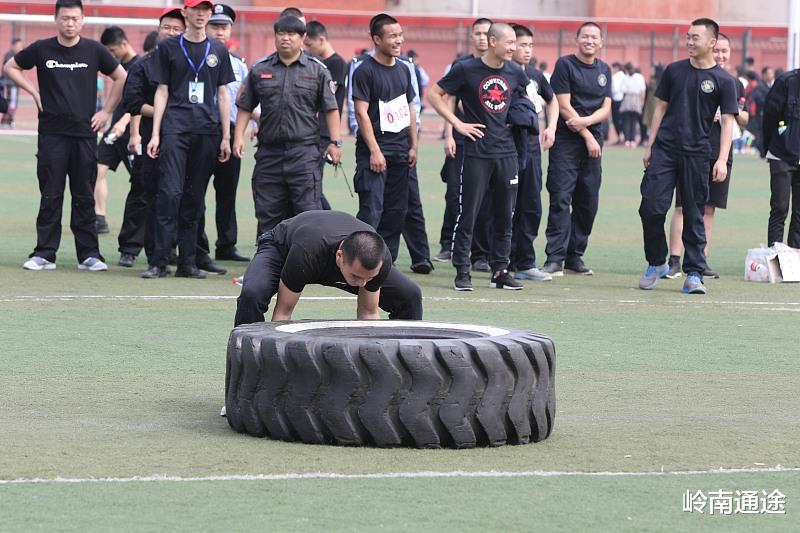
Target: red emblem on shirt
[(265, 76), (494, 94)]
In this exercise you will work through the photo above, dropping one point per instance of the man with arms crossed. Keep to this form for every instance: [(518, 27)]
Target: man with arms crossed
[(678, 154)]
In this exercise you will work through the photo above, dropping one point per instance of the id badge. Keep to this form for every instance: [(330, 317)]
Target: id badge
[(196, 92)]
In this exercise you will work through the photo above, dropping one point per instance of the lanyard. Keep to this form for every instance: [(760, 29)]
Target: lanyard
[(189, 59)]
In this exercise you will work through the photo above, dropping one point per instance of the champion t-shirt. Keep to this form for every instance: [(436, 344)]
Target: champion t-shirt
[(485, 93), (376, 83), (67, 83), (172, 69), (311, 240), (588, 86), (693, 96)]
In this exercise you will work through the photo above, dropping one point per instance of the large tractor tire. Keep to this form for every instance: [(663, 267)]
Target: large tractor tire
[(390, 383)]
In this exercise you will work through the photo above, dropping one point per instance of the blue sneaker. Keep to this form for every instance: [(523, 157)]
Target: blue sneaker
[(693, 285), (652, 275)]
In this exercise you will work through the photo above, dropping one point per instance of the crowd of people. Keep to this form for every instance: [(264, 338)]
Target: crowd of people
[(184, 111)]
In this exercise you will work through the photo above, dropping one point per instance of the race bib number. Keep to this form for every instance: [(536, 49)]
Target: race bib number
[(395, 115), (196, 92)]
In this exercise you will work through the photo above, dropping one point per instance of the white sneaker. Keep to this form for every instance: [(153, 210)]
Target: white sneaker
[(93, 264), (38, 263)]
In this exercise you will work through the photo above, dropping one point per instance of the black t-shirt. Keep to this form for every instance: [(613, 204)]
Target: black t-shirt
[(538, 85), (121, 108), (459, 113), (172, 68), (310, 241), (588, 87), (485, 93), (140, 89), (67, 83), (693, 96), (716, 127), (337, 67), (378, 84)]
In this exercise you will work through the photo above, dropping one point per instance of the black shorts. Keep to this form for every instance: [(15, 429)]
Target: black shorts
[(111, 155), (717, 190)]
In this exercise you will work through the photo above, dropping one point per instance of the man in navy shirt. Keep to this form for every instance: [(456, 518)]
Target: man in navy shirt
[(687, 98), (485, 86), (386, 146), (67, 67), (528, 211), (190, 70), (582, 84)]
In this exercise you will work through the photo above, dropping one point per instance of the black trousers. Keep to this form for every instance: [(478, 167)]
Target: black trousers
[(499, 178), (573, 181), (414, 233), (630, 119), (482, 231), (400, 297), (528, 211), (185, 164), (383, 197), (59, 157), (324, 142), (784, 184), (226, 181), (138, 207), (286, 182), (616, 119), (690, 174)]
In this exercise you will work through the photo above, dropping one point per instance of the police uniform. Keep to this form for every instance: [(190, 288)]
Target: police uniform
[(190, 137), (573, 178), (66, 145), (286, 178), (680, 157)]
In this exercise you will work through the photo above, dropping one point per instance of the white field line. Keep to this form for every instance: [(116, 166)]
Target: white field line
[(397, 475), (778, 306)]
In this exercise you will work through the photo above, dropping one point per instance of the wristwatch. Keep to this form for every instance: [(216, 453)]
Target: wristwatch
[(337, 143)]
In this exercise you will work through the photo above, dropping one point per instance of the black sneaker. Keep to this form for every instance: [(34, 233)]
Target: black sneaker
[(126, 260), (155, 272), (424, 267), (481, 265), (504, 280), (554, 269), (578, 267), (101, 224), (708, 273), (674, 267), (442, 256), (191, 272), (209, 266), (463, 281), (231, 255)]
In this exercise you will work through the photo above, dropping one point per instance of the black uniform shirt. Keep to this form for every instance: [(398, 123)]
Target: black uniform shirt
[(378, 84), (457, 137), (121, 108), (485, 93), (291, 98), (693, 96), (337, 67), (171, 68), (310, 241), (140, 89), (588, 87), (67, 83), (716, 127)]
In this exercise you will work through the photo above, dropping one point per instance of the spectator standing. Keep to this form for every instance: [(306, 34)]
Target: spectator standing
[(617, 76), (633, 89), (66, 67), (782, 141), (8, 88)]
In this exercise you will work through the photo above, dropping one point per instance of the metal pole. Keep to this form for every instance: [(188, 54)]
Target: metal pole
[(675, 45), (652, 49), (560, 41), (746, 37), (793, 36)]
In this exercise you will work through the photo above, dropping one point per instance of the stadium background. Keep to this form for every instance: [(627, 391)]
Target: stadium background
[(645, 33)]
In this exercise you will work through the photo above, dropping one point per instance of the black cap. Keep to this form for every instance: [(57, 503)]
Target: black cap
[(222, 14)]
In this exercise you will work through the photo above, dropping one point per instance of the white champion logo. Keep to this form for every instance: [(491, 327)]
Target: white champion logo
[(52, 63)]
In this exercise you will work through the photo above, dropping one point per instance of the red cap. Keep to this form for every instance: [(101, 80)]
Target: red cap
[(195, 3), (173, 12)]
